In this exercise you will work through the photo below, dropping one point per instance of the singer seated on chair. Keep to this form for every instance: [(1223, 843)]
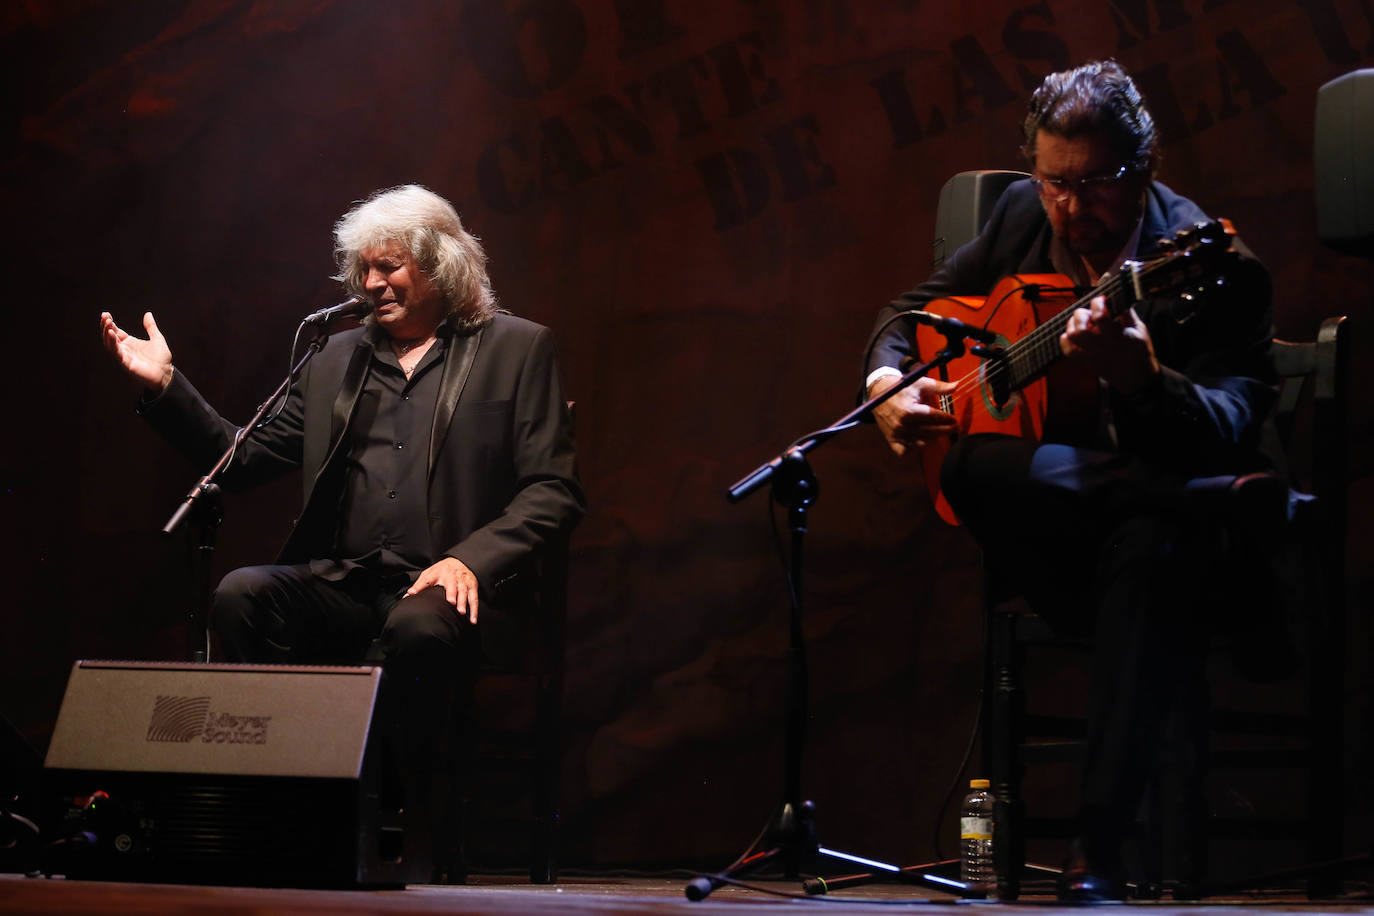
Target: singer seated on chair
[(436, 458), (1108, 513)]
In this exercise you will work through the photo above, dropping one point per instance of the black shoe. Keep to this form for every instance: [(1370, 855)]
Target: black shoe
[(1083, 881)]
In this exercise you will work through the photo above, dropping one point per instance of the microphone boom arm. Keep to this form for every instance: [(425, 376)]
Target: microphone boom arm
[(202, 505), (954, 330)]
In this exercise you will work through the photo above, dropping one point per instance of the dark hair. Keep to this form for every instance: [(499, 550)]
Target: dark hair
[(1096, 98)]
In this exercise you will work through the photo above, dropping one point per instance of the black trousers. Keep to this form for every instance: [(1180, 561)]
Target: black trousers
[(430, 655), (1098, 543)]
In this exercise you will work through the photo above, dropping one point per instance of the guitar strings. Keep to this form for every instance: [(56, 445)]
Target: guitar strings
[(1043, 341), (1040, 342)]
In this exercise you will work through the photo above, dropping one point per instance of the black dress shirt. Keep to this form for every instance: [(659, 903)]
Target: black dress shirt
[(383, 525)]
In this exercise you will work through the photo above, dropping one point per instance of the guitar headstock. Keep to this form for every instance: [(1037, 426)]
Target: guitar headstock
[(1190, 266), (1215, 235)]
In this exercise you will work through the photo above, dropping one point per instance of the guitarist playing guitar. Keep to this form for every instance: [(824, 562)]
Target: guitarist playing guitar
[(1099, 285)]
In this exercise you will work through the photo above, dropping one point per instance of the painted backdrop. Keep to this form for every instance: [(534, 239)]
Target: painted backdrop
[(707, 201)]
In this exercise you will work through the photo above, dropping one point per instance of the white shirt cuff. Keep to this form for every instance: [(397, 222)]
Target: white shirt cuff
[(880, 372)]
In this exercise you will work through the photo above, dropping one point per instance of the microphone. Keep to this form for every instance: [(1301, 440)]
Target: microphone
[(953, 327), (352, 307)]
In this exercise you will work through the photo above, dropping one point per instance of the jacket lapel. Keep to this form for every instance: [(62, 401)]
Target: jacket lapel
[(1155, 225), (457, 367), (303, 542), (347, 398)]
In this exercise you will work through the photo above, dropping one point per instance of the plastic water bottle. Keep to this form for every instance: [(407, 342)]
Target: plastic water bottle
[(976, 866)]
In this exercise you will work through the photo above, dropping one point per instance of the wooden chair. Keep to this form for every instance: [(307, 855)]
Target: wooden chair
[(514, 730), (514, 737), (1311, 427)]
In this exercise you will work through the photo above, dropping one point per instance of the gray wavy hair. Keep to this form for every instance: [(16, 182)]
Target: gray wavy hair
[(429, 228)]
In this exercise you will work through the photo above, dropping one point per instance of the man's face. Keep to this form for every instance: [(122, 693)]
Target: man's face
[(407, 304), (1093, 219)]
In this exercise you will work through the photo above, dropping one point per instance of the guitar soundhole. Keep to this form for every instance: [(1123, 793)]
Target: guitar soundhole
[(995, 378)]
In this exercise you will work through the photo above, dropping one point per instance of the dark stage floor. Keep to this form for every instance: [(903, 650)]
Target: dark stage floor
[(577, 895)]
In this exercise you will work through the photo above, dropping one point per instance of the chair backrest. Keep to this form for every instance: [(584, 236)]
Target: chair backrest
[(1311, 424), (553, 595), (1312, 412), (553, 608), (966, 202)]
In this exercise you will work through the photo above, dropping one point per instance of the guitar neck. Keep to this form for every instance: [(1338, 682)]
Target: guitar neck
[(1029, 358), (1193, 262)]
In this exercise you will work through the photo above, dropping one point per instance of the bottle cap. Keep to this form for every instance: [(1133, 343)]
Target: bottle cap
[(979, 784)]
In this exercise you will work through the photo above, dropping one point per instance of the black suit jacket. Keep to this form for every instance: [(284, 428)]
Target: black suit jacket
[(1217, 387), (500, 461)]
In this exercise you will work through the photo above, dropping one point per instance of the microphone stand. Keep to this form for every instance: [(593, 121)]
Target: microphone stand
[(203, 507), (790, 834)]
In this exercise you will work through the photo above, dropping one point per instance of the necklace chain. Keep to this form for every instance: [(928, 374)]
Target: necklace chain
[(407, 347), (404, 350)]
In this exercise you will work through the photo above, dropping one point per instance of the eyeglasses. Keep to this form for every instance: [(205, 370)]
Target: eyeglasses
[(1057, 190)]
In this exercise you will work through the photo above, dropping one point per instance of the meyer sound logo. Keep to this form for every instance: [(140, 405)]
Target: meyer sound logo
[(185, 719), (178, 718)]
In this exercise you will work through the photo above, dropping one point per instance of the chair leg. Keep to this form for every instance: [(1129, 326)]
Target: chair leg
[(1175, 833), (1001, 738), (451, 866), (1326, 722), (544, 788)]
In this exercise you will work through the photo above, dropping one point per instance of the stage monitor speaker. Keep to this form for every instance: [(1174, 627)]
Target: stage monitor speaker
[(966, 202), (226, 774), (1343, 163)]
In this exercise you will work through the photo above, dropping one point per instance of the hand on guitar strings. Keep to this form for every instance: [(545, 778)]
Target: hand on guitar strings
[(1116, 349), (913, 416)]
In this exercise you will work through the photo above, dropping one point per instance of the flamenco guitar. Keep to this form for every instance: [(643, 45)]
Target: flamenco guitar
[(1019, 386)]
